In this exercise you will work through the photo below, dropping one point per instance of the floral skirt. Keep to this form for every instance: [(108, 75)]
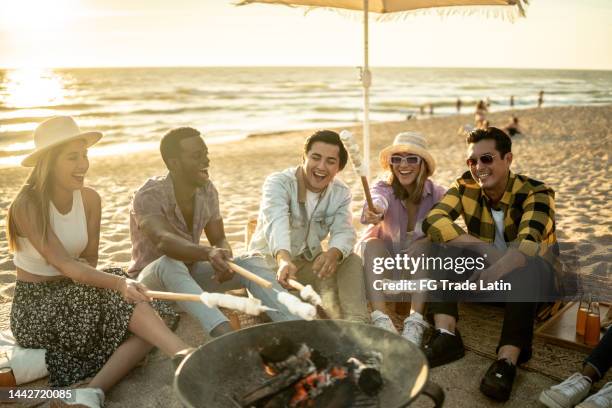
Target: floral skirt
[(79, 325)]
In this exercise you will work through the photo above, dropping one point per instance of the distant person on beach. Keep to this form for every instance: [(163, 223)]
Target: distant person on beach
[(431, 109), (463, 130), (458, 105), (480, 115), (300, 207), (540, 99), (401, 201), (90, 322), (511, 101), (513, 128), (167, 218), (514, 215), (573, 391)]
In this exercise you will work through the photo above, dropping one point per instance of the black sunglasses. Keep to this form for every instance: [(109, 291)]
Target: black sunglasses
[(486, 158)]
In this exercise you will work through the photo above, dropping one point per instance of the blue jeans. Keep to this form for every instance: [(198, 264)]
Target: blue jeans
[(601, 356), (168, 274)]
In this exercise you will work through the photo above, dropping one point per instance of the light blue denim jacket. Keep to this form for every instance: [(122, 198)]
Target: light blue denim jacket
[(284, 224)]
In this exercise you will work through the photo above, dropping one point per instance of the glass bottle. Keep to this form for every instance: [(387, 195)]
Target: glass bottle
[(583, 309), (593, 327)]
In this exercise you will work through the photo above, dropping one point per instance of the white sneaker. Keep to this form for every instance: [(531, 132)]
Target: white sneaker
[(602, 399), (568, 393), (415, 328), (382, 320), (82, 398)]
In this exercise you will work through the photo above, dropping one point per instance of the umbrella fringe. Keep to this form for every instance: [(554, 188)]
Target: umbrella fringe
[(506, 13)]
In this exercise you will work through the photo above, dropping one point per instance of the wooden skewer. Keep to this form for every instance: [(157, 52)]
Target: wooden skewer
[(295, 284), (250, 275), (188, 297), (368, 195)]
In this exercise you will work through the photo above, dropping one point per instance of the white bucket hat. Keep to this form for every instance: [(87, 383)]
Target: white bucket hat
[(408, 142), (55, 131)]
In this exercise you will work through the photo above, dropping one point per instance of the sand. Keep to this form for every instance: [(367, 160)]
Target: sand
[(567, 147)]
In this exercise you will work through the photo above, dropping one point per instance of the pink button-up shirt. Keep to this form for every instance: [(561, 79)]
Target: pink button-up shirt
[(394, 225), (156, 197)]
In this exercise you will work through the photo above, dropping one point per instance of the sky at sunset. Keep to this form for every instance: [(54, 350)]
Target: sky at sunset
[(568, 34)]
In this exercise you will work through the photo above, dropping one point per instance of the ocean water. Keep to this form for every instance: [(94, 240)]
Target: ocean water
[(134, 107)]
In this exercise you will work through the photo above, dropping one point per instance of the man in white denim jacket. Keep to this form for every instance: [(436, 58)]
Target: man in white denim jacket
[(299, 208)]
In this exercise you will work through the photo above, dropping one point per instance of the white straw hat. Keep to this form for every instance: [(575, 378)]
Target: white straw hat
[(408, 142), (55, 131)]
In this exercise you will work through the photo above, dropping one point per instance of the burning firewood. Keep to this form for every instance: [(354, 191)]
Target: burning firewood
[(367, 374), (302, 377)]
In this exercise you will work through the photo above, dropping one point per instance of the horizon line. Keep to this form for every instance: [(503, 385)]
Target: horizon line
[(17, 67)]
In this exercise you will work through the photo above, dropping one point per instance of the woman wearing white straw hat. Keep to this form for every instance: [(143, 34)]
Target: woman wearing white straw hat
[(82, 317), (401, 201)]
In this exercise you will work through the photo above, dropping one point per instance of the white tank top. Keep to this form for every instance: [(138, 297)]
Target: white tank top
[(70, 228)]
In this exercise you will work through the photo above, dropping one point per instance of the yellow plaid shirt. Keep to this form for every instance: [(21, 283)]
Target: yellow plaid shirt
[(529, 214)]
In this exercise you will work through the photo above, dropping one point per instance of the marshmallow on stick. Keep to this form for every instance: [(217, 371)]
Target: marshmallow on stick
[(246, 305), (304, 310), (294, 305), (353, 149), (307, 293)]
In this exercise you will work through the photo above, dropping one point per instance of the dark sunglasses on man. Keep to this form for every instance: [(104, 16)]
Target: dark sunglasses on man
[(486, 158)]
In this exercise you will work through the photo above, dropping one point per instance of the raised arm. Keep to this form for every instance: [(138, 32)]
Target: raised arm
[(380, 199)]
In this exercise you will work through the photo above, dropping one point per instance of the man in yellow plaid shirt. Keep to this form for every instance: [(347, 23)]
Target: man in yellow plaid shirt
[(515, 215)]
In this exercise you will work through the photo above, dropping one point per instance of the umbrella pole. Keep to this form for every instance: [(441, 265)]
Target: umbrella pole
[(366, 80)]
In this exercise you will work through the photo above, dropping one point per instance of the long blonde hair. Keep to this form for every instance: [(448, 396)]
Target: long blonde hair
[(400, 191), (36, 191)]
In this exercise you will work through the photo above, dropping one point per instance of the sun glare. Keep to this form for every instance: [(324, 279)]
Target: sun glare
[(27, 15), (29, 88)]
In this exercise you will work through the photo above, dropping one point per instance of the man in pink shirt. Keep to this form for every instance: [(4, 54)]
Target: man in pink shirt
[(167, 218)]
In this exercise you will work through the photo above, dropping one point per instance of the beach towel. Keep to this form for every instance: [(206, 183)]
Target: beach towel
[(27, 364)]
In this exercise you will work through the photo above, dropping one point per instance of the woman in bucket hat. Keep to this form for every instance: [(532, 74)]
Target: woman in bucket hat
[(83, 317), (401, 200)]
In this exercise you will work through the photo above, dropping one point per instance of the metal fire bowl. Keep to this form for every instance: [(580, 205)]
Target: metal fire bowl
[(229, 366)]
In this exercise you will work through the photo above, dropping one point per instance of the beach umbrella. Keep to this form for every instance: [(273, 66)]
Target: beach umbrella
[(505, 9)]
